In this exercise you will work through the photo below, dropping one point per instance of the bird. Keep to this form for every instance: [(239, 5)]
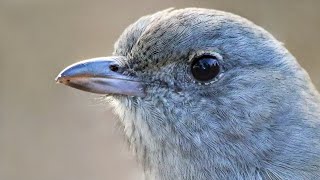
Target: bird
[(206, 94)]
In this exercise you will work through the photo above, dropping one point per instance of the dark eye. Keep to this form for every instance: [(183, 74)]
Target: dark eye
[(205, 68)]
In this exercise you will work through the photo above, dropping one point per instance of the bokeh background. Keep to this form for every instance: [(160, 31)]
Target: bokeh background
[(51, 132)]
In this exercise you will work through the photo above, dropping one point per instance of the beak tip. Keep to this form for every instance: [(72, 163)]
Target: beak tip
[(59, 79), (63, 75)]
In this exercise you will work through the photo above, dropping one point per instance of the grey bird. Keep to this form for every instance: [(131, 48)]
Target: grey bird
[(204, 94)]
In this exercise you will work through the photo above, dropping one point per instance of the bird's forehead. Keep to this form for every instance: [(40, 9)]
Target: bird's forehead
[(173, 35)]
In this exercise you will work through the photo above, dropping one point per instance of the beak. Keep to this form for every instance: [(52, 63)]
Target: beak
[(101, 76)]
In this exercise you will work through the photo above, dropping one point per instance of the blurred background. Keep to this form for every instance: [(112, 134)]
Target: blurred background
[(51, 132)]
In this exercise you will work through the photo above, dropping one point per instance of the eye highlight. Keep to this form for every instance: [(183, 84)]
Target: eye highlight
[(205, 68)]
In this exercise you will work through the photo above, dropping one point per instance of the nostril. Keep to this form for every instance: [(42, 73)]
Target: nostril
[(114, 67)]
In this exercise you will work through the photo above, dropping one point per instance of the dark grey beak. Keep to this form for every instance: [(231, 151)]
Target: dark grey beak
[(102, 76)]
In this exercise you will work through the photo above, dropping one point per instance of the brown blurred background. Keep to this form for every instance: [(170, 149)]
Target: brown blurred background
[(51, 132)]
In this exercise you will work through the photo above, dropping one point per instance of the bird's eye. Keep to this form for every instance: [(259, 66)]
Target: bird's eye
[(205, 68)]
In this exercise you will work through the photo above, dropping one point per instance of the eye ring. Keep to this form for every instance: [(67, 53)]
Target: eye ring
[(206, 68)]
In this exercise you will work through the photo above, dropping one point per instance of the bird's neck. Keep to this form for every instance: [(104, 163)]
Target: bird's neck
[(168, 152)]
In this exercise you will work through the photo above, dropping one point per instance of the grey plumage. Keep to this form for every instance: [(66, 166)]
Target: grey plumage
[(258, 120)]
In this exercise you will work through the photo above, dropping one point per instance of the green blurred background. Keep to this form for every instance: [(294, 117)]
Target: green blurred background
[(51, 132)]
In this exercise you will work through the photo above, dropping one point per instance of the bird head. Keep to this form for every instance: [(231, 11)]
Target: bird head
[(195, 80)]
